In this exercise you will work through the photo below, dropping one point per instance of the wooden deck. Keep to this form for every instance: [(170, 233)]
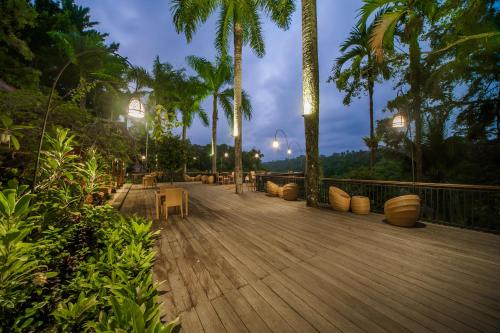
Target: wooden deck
[(251, 263)]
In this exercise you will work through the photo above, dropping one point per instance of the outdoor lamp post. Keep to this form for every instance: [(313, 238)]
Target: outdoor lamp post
[(136, 110), (399, 121), (226, 155), (276, 145)]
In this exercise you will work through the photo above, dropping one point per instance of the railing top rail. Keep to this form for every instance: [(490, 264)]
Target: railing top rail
[(399, 183)]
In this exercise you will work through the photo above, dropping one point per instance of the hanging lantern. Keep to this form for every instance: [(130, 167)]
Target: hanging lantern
[(135, 108)]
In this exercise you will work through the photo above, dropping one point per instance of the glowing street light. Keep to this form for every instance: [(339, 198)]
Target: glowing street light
[(136, 108), (143, 157), (226, 155), (257, 155), (398, 121), (276, 145)]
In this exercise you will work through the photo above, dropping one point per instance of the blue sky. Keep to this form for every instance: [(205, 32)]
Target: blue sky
[(144, 30)]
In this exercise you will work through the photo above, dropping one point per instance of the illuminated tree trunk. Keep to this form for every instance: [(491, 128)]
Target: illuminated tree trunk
[(310, 99), (372, 130), (237, 125), (214, 135), (415, 84)]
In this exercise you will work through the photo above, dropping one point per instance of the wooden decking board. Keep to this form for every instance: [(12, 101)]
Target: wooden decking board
[(253, 263), (409, 296)]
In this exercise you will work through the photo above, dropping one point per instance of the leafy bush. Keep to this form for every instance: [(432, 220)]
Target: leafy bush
[(67, 266)]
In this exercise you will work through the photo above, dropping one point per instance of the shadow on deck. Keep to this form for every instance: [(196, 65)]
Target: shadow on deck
[(251, 263)]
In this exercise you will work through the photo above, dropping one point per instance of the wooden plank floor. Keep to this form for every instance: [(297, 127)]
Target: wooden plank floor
[(251, 263)]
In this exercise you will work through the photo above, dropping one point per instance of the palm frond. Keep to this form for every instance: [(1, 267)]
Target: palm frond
[(383, 33), (224, 27)]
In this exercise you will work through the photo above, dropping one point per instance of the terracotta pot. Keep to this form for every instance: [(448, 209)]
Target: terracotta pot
[(290, 192), (339, 200), (360, 205), (403, 211), (210, 179)]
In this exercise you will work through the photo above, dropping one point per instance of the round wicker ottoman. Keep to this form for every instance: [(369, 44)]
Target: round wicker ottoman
[(339, 200), (210, 179), (403, 211), (360, 205), (290, 192)]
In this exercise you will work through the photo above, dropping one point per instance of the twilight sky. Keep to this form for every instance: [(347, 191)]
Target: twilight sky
[(144, 30)]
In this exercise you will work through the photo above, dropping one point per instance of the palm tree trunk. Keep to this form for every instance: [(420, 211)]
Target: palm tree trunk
[(310, 99), (237, 132), (214, 135), (415, 83), (372, 131), (184, 153)]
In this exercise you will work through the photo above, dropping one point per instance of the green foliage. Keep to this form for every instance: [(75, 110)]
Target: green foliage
[(66, 266)]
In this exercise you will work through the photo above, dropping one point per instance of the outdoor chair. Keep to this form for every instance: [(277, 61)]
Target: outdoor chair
[(148, 181), (339, 200), (173, 198), (252, 181), (220, 178), (403, 211), (272, 189)]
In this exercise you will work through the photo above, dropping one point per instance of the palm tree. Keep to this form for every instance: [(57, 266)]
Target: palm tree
[(242, 19), (190, 92), (361, 74), (310, 99), (404, 19), (216, 76)]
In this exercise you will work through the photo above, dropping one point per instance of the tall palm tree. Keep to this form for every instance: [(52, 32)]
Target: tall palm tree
[(403, 19), (360, 74), (190, 92), (242, 19), (217, 76), (310, 99)]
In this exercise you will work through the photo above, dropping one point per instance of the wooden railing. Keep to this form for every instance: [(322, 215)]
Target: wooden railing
[(467, 206)]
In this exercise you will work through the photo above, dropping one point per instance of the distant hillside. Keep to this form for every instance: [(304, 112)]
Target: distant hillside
[(349, 164)]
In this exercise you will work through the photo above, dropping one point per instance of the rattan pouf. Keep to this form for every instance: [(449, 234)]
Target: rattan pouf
[(339, 200), (360, 205), (290, 192)]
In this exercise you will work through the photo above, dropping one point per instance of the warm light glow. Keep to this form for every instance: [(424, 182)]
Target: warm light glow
[(257, 155), (398, 121), (143, 157), (235, 122), (276, 144), (226, 155), (135, 108), (307, 105), (194, 158), (289, 151)]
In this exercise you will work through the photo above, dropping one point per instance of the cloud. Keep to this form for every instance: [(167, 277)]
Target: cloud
[(144, 30)]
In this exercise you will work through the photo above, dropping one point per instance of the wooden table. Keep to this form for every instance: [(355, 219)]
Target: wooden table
[(158, 199)]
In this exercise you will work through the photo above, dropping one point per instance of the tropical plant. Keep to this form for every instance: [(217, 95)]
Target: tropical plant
[(403, 20), (217, 76), (310, 99), (242, 20), (10, 133), (360, 75), (190, 92)]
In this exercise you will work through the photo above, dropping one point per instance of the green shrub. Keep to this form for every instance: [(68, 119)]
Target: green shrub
[(66, 266)]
